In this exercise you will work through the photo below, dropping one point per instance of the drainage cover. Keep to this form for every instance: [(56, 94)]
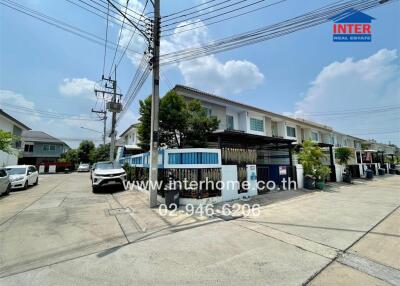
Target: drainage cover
[(113, 212)]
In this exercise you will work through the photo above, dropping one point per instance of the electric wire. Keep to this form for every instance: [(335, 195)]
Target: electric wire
[(304, 21), (119, 40), (220, 20), (130, 40), (214, 16), (105, 44), (59, 24), (190, 8)]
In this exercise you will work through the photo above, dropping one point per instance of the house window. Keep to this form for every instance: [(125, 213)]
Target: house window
[(290, 131), (229, 122), (28, 148), (274, 127), (207, 111), (47, 147), (256, 124), (314, 136)]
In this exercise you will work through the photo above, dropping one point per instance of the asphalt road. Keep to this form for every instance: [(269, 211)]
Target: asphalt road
[(59, 233)]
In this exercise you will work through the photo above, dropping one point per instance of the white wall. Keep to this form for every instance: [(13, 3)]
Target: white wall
[(7, 159)]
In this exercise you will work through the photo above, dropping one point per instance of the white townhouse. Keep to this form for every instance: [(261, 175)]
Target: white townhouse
[(15, 127), (236, 116), (129, 141)]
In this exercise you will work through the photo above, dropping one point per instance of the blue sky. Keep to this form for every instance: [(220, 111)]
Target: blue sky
[(44, 68)]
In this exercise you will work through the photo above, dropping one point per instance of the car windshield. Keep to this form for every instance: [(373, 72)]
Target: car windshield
[(108, 165), (84, 165), (16, 171)]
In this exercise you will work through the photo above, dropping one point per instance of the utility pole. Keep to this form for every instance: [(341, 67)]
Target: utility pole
[(154, 140), (154, 47), (104, 118), (114, 106), (114, 116)]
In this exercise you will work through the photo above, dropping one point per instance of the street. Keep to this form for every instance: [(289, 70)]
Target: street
[(60, 233)]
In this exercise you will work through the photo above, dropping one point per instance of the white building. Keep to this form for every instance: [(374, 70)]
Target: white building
[(128, 143), (15, 127)]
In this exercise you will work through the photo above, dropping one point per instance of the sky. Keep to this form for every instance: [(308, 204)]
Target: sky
[(303, 74)]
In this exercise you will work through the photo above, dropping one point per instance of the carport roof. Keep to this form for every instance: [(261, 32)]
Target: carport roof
[(238, 137)]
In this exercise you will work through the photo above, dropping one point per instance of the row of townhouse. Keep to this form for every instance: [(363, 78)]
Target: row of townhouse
[(238, 118), (252, 145), (30, 147)]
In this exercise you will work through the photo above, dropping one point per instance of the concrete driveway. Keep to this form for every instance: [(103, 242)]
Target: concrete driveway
[(59, 233)]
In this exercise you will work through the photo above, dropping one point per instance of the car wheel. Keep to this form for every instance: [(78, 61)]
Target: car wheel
[(94, 189), (8, 190), (26, 185), (36, 182)]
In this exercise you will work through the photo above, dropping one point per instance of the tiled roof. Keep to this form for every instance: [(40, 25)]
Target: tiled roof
[(39, 136)]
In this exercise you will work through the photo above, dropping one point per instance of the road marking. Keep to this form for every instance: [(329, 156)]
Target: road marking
[(375, 269)]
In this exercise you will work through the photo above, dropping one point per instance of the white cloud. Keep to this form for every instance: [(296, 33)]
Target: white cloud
[(230, 77), (78, 87), (13, 102), (209, 73), (67, 130), (357, 84)]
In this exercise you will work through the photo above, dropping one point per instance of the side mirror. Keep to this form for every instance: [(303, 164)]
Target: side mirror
[(29, 173)]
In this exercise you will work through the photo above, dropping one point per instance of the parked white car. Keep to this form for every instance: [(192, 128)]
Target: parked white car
[(84, 167), (22, 176), (5, 184), (107, 173)]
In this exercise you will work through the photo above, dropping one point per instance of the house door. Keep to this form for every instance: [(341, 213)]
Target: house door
[(262, 175)]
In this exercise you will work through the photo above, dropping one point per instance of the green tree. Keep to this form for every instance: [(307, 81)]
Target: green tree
[(84, 150), (144, 127), (71, 156), (182, 123), (200, 126), (6, 139), (174, 118), (101, 153)]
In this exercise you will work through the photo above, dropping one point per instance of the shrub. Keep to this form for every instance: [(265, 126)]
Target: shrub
[(343, 155)]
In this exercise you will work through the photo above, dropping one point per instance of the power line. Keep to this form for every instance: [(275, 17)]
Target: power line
[(105, 45), (115, 20), (190, 8), (305, 21), (130, 40), (129, 9), (119, 39), (255, 34), (224, 19), (214, 16), (196, 12), (99, 3), (32, 112), (59, 24), (374, 133)]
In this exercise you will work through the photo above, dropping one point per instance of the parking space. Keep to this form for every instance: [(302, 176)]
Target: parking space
[(59, 232)]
